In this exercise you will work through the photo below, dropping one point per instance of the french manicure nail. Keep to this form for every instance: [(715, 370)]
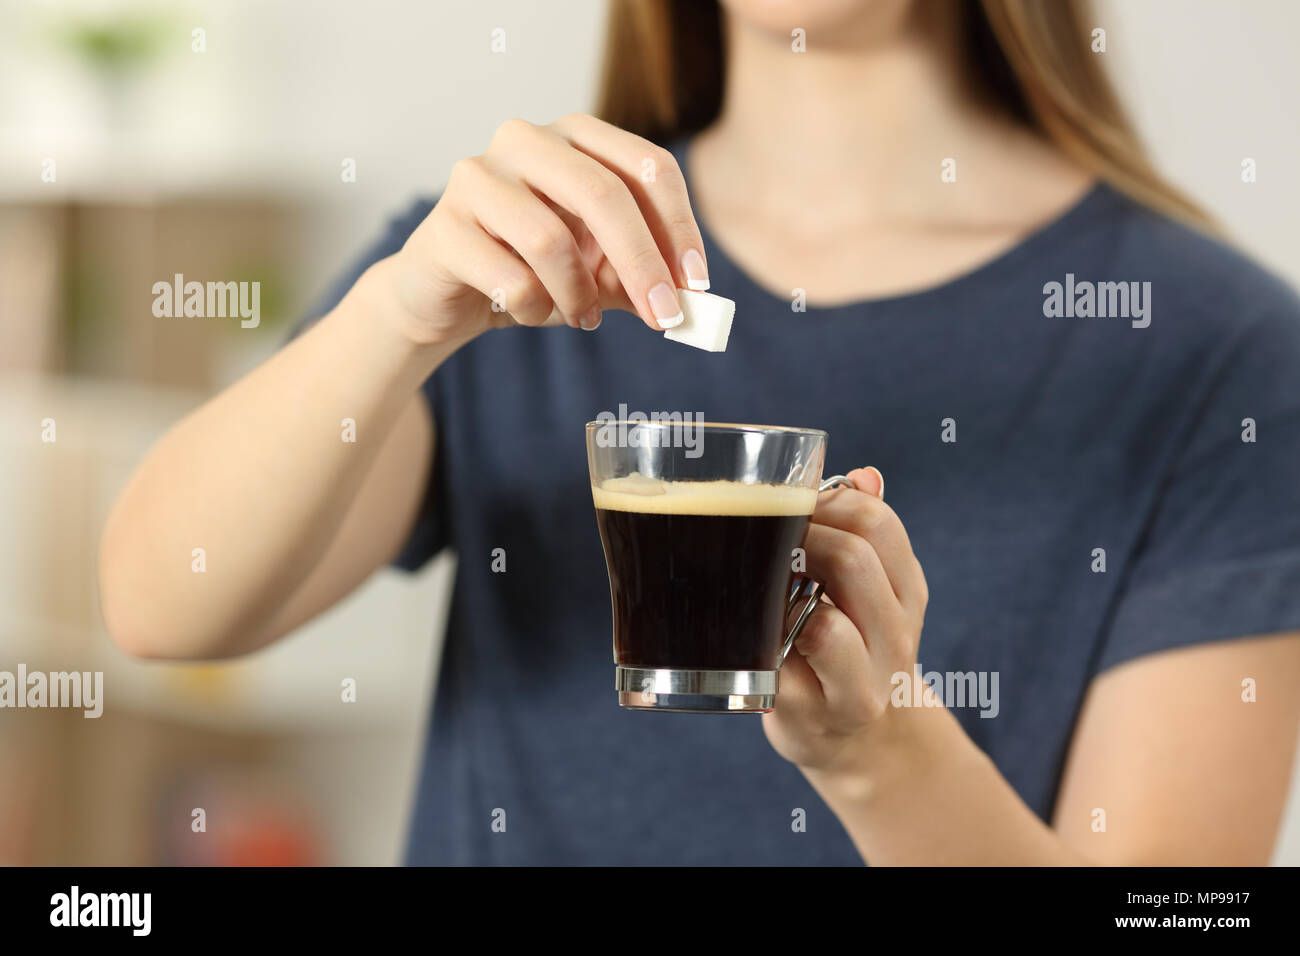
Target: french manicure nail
[(880, 475), (697, 274), (591, 320), (663, 303)]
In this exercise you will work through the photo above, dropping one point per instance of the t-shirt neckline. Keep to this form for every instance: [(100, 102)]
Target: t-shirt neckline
[(972, 281)]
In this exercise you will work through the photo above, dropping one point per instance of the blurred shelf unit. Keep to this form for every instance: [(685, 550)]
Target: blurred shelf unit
[(54, 498), (81, 286)]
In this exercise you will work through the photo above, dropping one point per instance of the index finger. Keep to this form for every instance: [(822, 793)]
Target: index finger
[(869, 518), (655, 179)]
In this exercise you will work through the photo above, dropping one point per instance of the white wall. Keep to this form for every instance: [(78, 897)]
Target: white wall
[(1212, 82)]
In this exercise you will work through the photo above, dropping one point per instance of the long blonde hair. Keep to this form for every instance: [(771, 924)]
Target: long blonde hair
[(664, 63)]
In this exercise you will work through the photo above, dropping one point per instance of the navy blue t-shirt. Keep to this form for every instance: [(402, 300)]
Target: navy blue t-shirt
[(1072, 434)]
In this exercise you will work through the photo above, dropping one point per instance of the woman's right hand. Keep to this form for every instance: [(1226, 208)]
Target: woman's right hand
[(549, 226)]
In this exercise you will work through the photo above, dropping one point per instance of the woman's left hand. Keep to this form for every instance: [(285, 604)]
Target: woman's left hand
[(837, 681)]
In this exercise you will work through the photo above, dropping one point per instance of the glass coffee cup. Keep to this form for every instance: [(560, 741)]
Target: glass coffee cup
[(701, 525)]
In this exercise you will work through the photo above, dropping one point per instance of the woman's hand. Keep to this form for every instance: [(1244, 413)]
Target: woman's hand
[(549, 226), (836, 683)]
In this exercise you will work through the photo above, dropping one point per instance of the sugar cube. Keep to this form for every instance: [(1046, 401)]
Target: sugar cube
[(706, 321)]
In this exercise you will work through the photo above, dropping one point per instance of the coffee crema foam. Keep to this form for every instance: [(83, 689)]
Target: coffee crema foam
[(641, 494)]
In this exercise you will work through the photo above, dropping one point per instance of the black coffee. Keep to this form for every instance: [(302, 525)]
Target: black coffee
[(699, 578)]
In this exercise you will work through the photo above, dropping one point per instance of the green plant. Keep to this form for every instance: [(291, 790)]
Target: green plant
[(126, 44)]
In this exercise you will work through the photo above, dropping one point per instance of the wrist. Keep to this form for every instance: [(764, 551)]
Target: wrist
[(902, 747), (375, 305)]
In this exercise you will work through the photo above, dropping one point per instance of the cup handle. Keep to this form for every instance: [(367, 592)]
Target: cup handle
[(799, 584)]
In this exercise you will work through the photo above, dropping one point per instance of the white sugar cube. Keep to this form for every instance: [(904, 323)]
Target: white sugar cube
[(706, 321)]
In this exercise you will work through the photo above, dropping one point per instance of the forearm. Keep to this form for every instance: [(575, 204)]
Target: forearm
[(259, 478), (928, 796)]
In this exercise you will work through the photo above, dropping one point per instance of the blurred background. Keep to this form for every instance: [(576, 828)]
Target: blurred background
[(214, 138)]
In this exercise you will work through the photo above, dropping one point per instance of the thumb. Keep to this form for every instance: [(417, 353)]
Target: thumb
[(868, 480)]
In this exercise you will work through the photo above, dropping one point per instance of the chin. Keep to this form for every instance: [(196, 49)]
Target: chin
[(837, 20)]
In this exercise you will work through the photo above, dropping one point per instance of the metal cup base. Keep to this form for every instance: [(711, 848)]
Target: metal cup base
[(685, 691)]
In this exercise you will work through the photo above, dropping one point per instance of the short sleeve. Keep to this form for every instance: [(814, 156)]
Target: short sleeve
[(391, 240), (1220, 556), (430, 533)]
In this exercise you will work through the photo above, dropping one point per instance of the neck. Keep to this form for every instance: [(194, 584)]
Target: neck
[(851, 129)]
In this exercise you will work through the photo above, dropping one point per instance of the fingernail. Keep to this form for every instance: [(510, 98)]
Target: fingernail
[(663, 303), (697, 274), (879, 475), (590, 320)]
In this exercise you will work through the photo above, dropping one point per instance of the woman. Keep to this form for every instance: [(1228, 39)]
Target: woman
[(889, 190)]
